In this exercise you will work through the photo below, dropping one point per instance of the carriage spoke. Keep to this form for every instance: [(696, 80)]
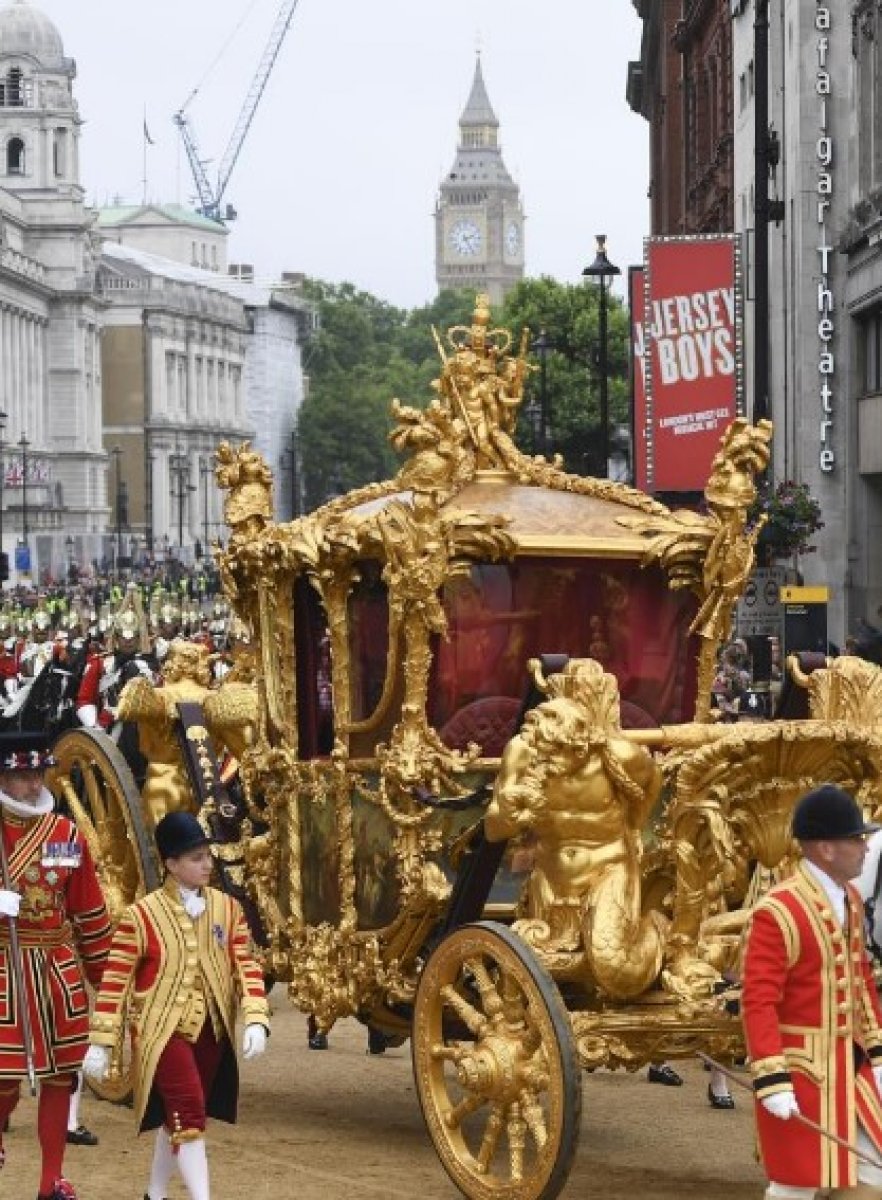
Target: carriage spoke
[(517, 1141), (475, 1022), (490, 1140), (464, 1109), (534, 1117)]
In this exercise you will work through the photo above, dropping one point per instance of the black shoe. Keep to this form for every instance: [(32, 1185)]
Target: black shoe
[(665, 1074), (318, 1041), (726, 1102), (81, 1136), (377, 1043), (63, 1190)]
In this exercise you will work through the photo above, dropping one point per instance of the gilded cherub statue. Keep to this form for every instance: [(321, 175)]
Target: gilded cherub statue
[(230, 715), (243, 473), (584, 792)]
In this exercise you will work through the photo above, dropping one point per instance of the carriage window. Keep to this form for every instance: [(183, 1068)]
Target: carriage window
[(315, 701), (368, 639), (500, 616)]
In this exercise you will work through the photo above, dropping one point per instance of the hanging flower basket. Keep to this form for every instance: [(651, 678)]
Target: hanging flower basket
[(793, 517)]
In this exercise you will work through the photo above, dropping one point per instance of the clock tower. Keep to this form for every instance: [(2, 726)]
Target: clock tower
[(479, 222)]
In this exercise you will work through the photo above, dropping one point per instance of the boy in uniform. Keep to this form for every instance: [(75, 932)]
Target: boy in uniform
[(180, 966)]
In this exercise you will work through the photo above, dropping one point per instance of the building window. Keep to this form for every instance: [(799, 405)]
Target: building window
[(12, 91), (15, 156), (59, 153), (871, 333)]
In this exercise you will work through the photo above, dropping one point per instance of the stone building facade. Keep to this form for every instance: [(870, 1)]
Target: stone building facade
[(820, 291), (50, 312), (127, 350), (191, 359)]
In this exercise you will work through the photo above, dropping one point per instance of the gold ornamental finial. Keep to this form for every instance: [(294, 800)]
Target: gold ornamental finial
[(743, 454)]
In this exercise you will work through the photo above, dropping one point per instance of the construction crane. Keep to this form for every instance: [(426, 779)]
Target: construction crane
[(211, 197)]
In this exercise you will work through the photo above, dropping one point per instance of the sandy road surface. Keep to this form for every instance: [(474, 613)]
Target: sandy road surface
[(340, 1125)]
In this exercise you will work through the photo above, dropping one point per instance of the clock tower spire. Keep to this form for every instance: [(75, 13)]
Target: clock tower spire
[(479, 222)]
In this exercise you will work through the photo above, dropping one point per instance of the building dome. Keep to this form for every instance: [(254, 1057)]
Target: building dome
[(24, 30)]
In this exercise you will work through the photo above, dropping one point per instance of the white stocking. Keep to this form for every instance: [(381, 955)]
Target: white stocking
[(782, 1191), (163, 1166), (73, 1112), (193, 1165)]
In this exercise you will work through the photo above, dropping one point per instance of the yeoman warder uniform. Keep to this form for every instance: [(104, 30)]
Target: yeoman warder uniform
[(811, 1013), (63, 934)]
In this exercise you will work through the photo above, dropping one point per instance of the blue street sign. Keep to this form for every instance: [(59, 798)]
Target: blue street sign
[(22, 558)]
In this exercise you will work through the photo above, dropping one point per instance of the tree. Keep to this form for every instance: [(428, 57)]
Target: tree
[(367, 352), (570, 316)]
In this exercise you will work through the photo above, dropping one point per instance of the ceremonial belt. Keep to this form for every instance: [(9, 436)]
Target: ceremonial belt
[(199, 755), (61, 936)]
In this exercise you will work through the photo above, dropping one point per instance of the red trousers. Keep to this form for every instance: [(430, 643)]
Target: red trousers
[(55, 1093), (184, 1078)]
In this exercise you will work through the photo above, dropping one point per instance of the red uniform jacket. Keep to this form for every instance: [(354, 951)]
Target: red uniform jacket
[(813, 1025), (63, 930)]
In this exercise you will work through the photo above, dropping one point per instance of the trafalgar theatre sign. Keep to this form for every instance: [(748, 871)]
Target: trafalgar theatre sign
[(824, 195)]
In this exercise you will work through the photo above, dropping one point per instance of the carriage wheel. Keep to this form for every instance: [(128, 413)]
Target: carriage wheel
[(496, 1067), (93, 781)]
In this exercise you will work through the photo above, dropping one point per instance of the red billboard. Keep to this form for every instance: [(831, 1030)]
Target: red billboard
[(692, 349), (637, 310)]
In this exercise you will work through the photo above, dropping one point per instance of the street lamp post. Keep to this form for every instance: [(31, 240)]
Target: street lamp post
[(69, 545), (205, 472), (24, 443), (117, 454), (604, 272), (291, 460), (541, 345), (180, 470)]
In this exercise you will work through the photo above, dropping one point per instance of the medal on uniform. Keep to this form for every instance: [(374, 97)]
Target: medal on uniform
[(62, 854)]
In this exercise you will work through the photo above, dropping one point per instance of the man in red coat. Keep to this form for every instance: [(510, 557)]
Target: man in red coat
[(55, 900), (811, 1013)]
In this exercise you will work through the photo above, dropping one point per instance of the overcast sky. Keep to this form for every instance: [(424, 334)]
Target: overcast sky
[(340, 172)]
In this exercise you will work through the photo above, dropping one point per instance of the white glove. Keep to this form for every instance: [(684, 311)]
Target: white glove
[(96, 1064), (877, 1075), (781, 1105), (88, 715), (10, 903), (253, 1041)]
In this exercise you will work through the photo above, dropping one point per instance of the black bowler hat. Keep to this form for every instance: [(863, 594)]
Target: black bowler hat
[(177, 833), (828, 814), (24, 751)]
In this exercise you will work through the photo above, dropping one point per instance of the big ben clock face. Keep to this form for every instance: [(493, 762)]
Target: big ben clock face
[(465, 239), (512, 239)]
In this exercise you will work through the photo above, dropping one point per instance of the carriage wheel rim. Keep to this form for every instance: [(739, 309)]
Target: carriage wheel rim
[(503, 1103)]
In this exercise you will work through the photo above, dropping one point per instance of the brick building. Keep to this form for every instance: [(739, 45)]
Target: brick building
[(682, 85)]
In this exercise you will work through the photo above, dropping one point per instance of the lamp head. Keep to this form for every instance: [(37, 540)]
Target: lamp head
[(601, 268)]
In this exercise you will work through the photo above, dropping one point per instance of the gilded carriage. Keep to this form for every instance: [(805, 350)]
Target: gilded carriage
[(488, 807)]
